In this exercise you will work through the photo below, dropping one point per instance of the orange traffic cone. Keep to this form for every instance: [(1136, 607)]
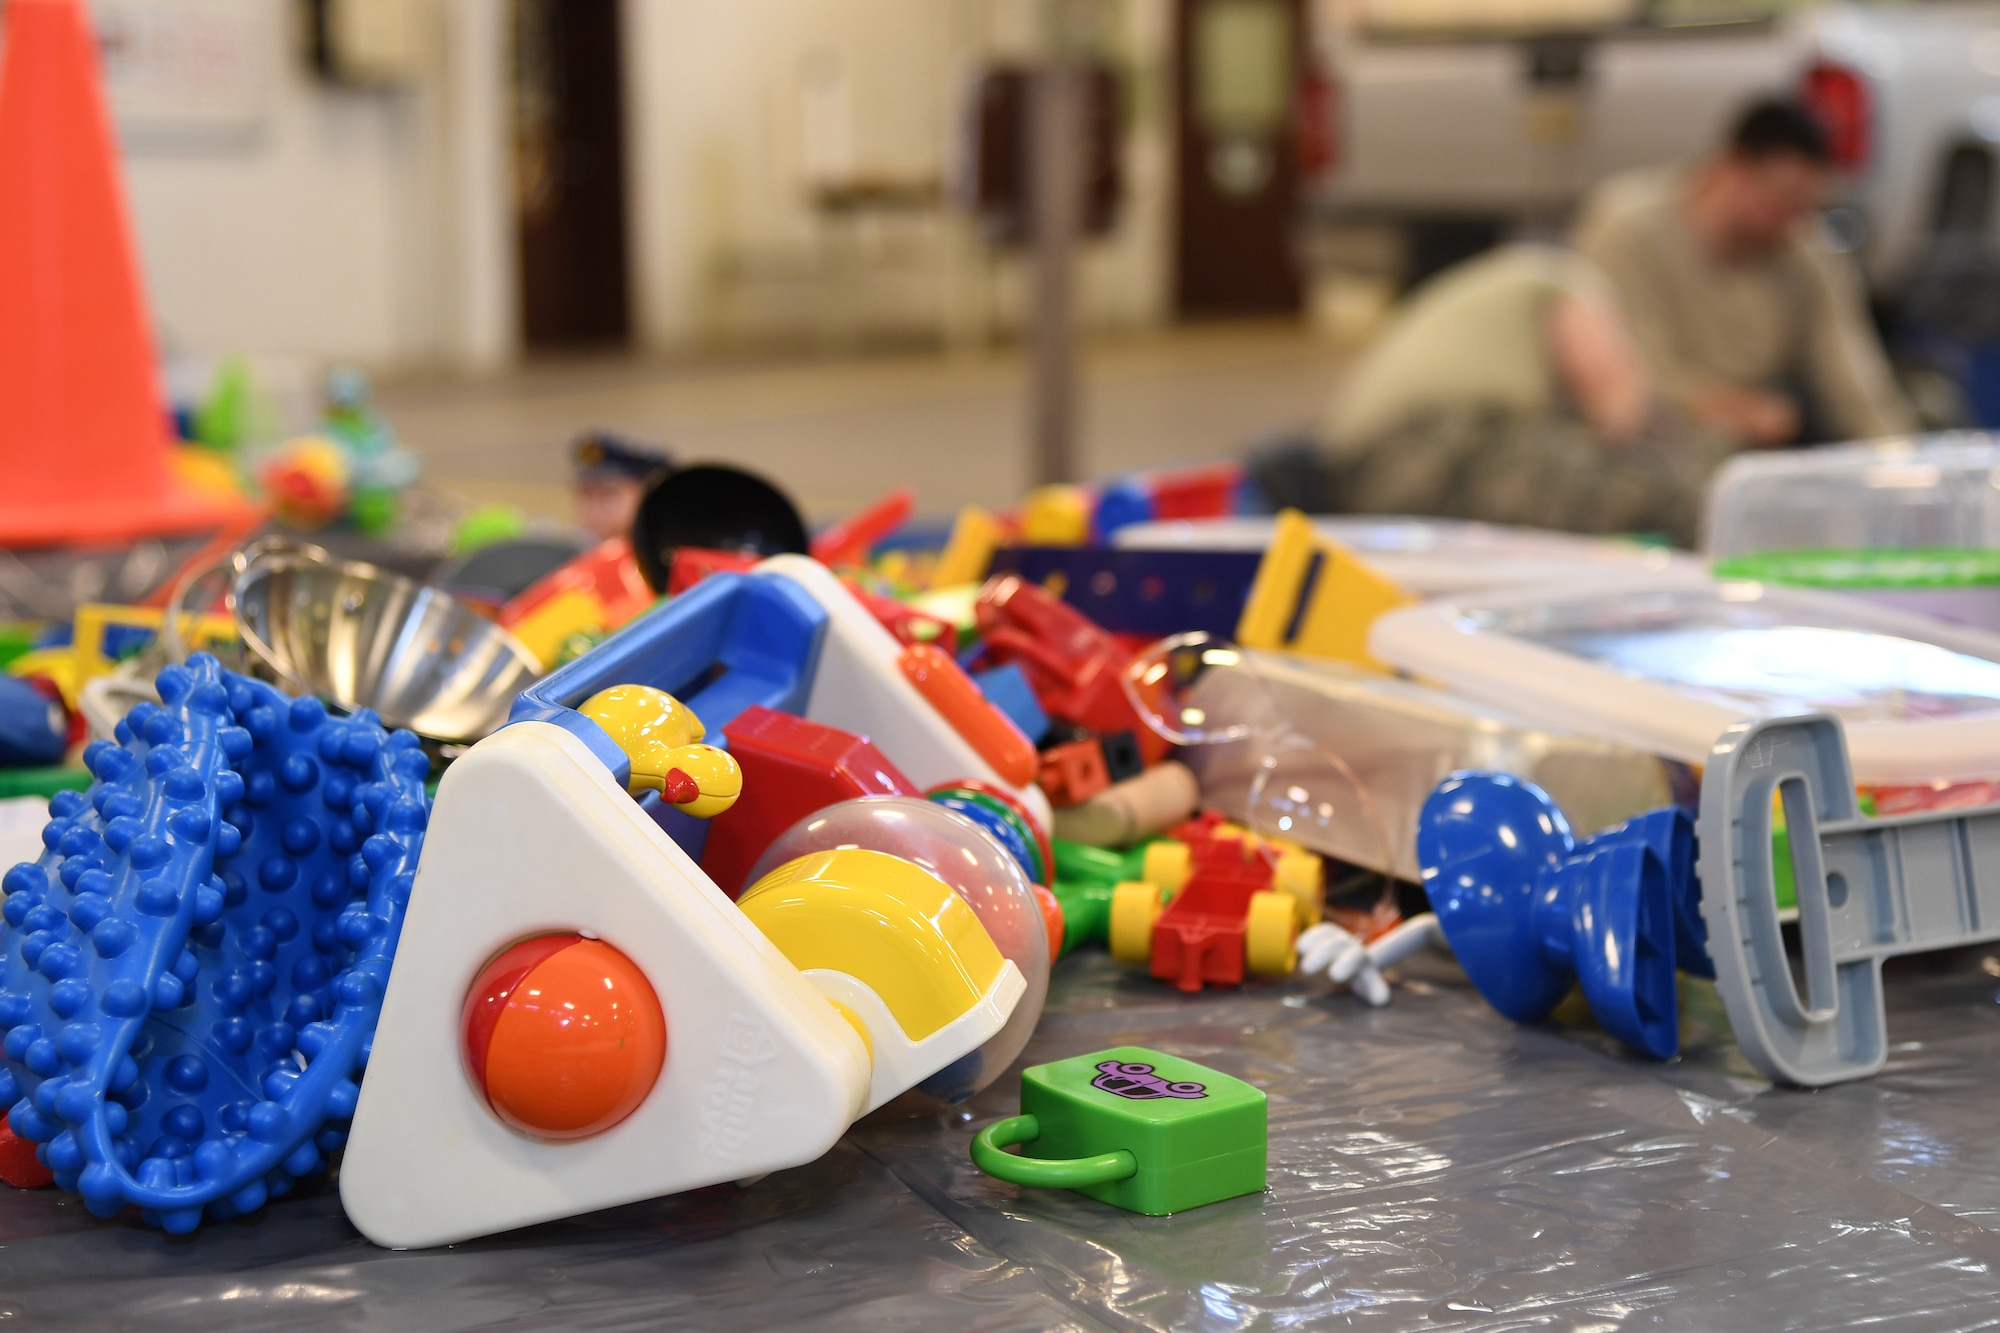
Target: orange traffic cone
[(84, 449)]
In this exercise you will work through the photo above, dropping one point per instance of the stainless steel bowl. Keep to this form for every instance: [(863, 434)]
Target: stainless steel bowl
[(362, 637)]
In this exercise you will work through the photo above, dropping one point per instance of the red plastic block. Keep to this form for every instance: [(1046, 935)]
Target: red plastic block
[(1208, 845), (791, 767), (1199, 938), (909, 625), (1197, 492), (1073, 772), (19, 1166), (849, 541), (1073, 664), (607, 573)]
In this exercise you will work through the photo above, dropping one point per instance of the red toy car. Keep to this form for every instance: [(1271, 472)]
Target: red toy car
[(1217, 901)]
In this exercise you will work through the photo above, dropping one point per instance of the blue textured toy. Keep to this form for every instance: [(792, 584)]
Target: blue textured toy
[(191, 974), (1529, 910)]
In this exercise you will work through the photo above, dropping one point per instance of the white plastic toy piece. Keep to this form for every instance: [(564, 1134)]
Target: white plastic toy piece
[(860, 687), (1348, 962), (530, 835), (899, 1064)]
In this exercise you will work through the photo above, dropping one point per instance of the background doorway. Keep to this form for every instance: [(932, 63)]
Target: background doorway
[(1237, 69), (569, 147)]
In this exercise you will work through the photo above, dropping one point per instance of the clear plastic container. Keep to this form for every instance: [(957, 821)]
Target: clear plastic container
[(1938, 490), (1427, 556), (1666, 664), (1341, 760), (1960, 583)]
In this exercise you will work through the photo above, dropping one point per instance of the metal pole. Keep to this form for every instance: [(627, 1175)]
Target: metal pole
[(1056, 186)]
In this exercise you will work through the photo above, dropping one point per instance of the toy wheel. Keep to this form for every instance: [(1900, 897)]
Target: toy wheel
[(1135, 907), (1269, 933), (1168, 865), (1298, 875)]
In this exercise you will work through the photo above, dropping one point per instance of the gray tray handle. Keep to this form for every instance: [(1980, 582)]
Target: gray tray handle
[(1836, 1031)]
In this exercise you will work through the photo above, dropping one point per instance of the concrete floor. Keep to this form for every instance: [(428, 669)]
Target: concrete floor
[(838, 433)]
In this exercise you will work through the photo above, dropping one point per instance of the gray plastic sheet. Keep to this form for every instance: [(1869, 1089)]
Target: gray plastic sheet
[(1432, 1166)]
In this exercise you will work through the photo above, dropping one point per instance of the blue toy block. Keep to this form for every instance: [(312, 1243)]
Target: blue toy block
[(33, 730), (1007, 689), (1120, 505), (191, 974), (731, 641), (123, 641)]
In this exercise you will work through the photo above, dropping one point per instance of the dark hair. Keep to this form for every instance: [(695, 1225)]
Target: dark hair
[(1772, 127)]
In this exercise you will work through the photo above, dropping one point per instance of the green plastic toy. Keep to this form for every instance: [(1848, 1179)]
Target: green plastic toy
[(1085, 880), (1911, 568), (1137, 1129), (42, 781), (486, 526)]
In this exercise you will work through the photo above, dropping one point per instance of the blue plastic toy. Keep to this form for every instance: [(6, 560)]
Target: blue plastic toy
[(33, 729), (1002, 830), (191, 974), (1529, 910), (1006, 687), (730, 641)]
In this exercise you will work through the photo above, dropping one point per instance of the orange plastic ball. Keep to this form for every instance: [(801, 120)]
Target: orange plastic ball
[(564, 1035)]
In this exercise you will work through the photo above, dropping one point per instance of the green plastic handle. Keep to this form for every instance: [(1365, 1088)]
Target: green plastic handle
[(989, 1155)]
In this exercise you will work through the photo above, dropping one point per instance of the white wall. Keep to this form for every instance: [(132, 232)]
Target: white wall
[(336, 224), (377, 227), (727, 106)]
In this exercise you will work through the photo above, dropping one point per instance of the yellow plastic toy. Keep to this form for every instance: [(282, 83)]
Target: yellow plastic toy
[(918, 949), (968, 554), (1056, 516), (80, 661), (1135, 909), (1343, 602), (661, 736)]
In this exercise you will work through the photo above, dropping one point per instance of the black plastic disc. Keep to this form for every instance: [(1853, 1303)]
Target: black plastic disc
[(716, 508)]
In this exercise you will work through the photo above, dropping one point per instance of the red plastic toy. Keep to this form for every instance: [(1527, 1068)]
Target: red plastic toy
[(20, 1167), (910, 626), (1073, 772), (1073, 664), (849, 541), (791, 767), (1197, 492), (598, 591), (1216, 903), (564, 1035)]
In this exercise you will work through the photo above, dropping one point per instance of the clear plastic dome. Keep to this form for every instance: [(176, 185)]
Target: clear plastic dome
[(980, 871), (1164, 684), (1198, 690)]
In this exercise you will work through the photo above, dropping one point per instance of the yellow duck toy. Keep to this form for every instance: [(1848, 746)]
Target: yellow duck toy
[(661, 736)]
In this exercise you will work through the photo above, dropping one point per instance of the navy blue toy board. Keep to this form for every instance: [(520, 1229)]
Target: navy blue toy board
[(1142, 591)]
